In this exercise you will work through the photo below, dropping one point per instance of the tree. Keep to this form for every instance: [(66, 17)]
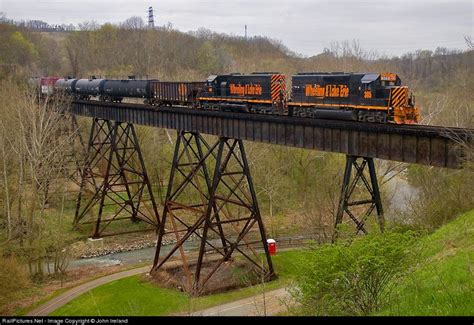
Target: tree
[(20, 49), (33, 137), (133, 23)]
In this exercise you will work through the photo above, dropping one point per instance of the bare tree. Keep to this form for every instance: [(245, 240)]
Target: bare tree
[(133, 23), (33, 137)]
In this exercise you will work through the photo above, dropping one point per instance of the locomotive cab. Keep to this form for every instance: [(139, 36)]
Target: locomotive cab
[(401, 102), (386, 90)]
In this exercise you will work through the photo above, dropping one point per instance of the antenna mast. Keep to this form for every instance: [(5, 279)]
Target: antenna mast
[(151, 21)]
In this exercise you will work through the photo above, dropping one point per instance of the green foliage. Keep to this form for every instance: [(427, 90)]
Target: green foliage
[(355, 278), (22, 50), (442, 282)]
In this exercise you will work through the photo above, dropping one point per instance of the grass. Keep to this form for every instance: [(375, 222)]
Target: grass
[(25, 310), (133, 296), (442, 284)]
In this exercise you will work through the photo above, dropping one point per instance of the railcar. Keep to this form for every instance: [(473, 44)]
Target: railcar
[(43, 86), (65, 85), (166, 93), (117, 90), (87, 88)]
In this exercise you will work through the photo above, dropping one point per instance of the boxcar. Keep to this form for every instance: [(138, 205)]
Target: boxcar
[(176, 93)]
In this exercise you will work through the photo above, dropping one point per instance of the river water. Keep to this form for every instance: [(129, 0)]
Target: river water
[(126, 258)]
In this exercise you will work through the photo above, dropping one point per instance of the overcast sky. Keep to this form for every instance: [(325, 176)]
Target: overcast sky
[(390, 27)]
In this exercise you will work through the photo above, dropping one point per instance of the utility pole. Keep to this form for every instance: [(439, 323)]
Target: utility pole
[(245, 31), (151, 21)]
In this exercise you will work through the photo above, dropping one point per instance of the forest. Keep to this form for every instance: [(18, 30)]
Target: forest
[(298, 190)]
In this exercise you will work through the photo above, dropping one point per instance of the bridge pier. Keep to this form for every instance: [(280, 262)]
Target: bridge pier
[(114, 173), (359, 164), (70, 165), (218, 209)]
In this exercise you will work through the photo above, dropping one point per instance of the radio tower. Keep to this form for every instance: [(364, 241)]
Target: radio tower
[(151, 21)]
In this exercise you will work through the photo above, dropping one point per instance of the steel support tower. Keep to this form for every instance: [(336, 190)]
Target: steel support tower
[(370, 185), (215, 208), (114, 174)]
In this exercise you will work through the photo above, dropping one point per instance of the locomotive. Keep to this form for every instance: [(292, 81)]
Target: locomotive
[(259, 92), (367, 97)]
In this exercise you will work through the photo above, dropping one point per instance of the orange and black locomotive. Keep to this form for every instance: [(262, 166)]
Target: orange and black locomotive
[(368, 97)]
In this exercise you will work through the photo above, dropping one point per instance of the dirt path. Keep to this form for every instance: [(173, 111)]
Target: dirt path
[(69, 295), (273, 304)]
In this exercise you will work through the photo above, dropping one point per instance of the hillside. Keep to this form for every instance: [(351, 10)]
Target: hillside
[(442, 283), (297, 189)]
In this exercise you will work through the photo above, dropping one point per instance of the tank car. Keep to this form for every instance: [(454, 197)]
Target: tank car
[(116, 90), (66, 85), (87, 88)]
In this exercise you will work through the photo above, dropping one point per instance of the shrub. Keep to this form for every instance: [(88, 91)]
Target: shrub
[(352, 278), (13, 279)]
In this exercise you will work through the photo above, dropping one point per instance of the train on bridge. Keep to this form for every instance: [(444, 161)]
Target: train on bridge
[(368, 97)]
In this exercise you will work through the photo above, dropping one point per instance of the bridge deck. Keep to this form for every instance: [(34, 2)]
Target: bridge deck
[(428, 145)]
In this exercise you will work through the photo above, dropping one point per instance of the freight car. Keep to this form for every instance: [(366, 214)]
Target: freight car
[(165, 93), (44, 86), (87, 88), (117, 90), (154, 92), (66, 86)]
